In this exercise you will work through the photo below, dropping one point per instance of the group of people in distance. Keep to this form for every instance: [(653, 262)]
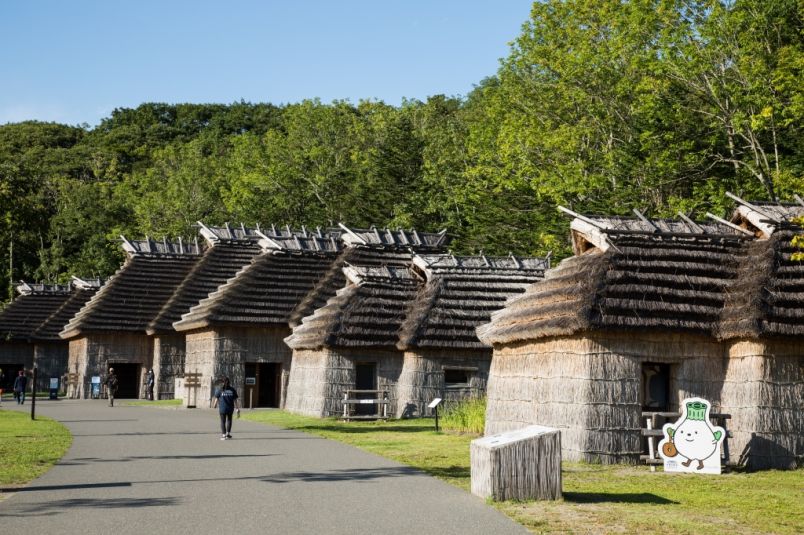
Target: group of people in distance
[(225, 399)]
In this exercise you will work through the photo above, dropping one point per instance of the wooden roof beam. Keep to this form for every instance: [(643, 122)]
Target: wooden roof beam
[(644, 219), (757, 209), (691, 224), (442, 236), (269, 243), (729, 224), (581, 217), (352, 234), (798, 198)]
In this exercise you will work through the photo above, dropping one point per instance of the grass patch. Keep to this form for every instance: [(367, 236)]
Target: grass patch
[(155, 403), (597, 498), (465, 417), (28, 448)]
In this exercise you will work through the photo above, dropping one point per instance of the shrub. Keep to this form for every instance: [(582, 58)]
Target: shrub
[(466, 416)]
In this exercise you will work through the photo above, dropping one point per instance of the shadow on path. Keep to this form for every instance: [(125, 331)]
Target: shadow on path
[(55, 507), (342, 475), (90, 460)]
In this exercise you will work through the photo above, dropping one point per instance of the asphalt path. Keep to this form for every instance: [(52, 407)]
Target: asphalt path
[(151, 470)]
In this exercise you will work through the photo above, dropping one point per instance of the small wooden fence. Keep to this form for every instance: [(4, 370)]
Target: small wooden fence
[(354, 398), (654, 421)]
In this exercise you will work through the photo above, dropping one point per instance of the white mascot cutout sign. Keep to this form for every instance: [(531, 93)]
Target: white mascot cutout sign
[(692, 444)]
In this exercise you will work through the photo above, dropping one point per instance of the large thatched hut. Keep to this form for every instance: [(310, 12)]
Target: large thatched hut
[(30, 325), (228, 250), (311, 389), (645, 314), (111, 328), (443, 356), (238, 330), (407, 330)]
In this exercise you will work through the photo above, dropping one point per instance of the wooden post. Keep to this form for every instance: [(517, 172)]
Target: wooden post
[(33, 396), (345, 404), (651, 449)]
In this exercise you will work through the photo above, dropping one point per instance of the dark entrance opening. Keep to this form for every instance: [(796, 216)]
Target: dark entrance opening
[(128, 379), (263, 384), (10, 372), (366, 379), (655, 387)]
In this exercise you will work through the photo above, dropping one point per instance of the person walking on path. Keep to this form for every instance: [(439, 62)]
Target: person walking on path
[(226, 400), (111, 386), (19, 387), (149, 385)]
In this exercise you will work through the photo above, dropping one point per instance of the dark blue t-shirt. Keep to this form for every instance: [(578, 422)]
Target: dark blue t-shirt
[(226, 399)]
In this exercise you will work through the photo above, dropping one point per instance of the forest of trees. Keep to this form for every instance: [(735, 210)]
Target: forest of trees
[(601, 105)]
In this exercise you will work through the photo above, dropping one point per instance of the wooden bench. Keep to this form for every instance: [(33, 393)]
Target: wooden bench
[(653, 431), (352, 399)]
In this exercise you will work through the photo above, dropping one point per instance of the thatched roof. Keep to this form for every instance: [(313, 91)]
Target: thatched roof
[(762, 218), (42, 310), (368, 248), (367, 312), (266, 290), (461, 293), (136, 294), (717, 280), (768, 297)]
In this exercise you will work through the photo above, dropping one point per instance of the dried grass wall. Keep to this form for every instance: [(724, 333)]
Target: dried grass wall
[(764, 392), (422, 378), (51, 360), (92, 354), (319, 378), (169, 357), (589, 387), (225, 350)]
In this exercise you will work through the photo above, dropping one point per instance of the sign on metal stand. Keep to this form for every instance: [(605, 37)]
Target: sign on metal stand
[(434, 405)]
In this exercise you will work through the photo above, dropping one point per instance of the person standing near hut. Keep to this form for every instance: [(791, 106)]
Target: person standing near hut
[(111, 386), (149, 385), (226, 400), (19, 387)]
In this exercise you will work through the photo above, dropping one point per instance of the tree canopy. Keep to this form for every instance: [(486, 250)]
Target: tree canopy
[(601, 105)]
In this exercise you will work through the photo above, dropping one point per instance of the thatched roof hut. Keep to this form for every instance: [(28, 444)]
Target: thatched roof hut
[(405, 329), (443, 356), (647, 313), (237, 330), (29, 327), (228, 250), (363, 248), (112, 327)]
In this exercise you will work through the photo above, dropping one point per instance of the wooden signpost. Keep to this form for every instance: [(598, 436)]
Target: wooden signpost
[(192, 381)]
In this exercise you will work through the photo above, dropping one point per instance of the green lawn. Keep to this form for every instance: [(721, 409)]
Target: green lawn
[(29, 448), (597, 499)]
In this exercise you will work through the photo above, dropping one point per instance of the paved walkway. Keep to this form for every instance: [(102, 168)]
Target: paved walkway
[(149, 470)]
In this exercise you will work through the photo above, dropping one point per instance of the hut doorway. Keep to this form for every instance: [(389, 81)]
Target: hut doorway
[(128, 379), (655, 386), (365, 379), (10, 372), (263, 384)]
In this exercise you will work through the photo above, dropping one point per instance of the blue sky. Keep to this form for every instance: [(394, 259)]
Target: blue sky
[(75, 61)]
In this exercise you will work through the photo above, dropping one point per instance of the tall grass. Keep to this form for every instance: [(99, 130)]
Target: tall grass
[(466, 416)]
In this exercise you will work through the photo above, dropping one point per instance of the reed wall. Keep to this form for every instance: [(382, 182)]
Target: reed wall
[(319, 378), (764, 392), (168, 363), (589, 387), (93, 353), (225, 350), (51, 361), (422, 378)]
